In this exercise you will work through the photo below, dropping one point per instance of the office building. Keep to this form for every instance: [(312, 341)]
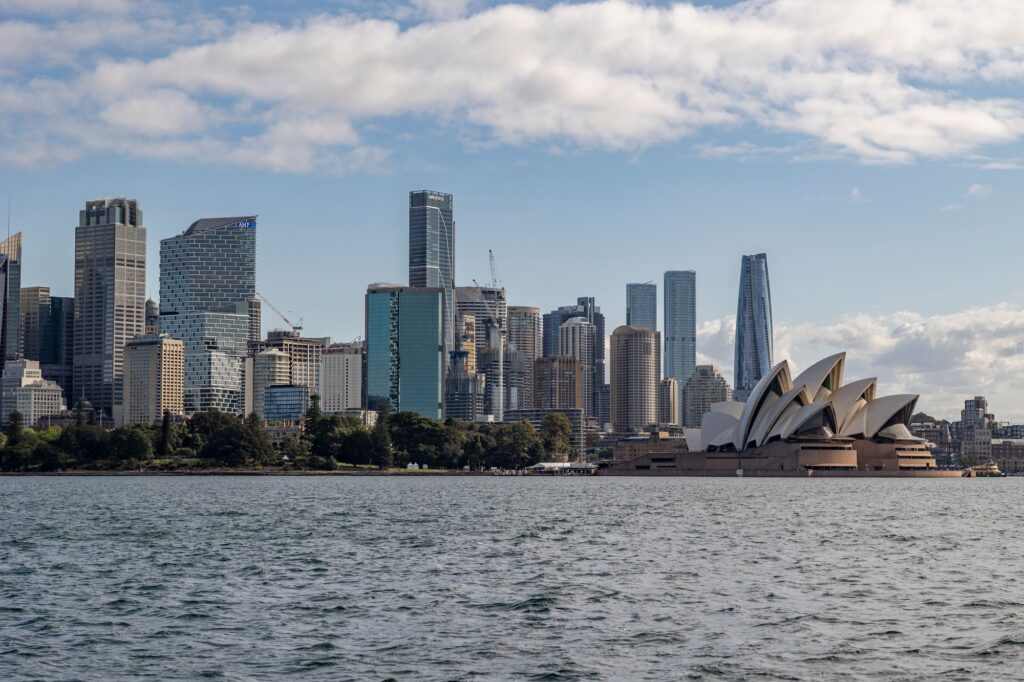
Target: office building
[(10, 251), (587, 309), (557, 384), (642, 305), (668, 402), (255, 320), (404, 349), (341, 378), (635, 375), (490, 313), (754, 334), (207, 280), (34, 312), (270, 367), (23, 389), (110, 297), (152, 317), (465, 338), (465, 394), (705, 387), (56, 343), (154, 379), (524, 337), (577, 436), (432, 250), (577, 339), (285, 403), (303, 354), (680, 294)]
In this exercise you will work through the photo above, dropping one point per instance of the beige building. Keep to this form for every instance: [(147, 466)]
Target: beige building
[(341, 378), (271, 367), (705, 387), (154, 379), (635, 375), (303, 356), (465, 339), (576, 340), (24, 390), (525, 338), (557, 384), (668, 401)]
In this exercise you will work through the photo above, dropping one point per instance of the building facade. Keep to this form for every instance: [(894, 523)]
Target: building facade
[(680, 294), (10, 317), (586, 308), (285, 404), (524, 341), (57, 344), (465, 395), (270, 367), (34, 312), (642, 305), (303, 353), (557, 384), (705, 387), (432, 250), (110, 297), (668, 401), (490, 313), (577, 437), (635, 374), (207, 281), (341, 377), (23, 389), (754, 330), (577, 339), (154, 379), (404, 349)]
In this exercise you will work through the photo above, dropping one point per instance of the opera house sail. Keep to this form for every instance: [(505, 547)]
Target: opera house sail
[(753, 356)]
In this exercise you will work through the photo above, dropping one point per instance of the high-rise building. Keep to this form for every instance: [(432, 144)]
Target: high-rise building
[(404, 349), (586, 308), (255, 320), (635, 374), (490, 312), (303, 355), (35, 311), (577, 339), (57, 343), (23, 389), (557, 384), (524, 339), (110, 296), (432, 250), (465, 338), (341, 378), (271, 367), (680, 325), (668, 401), (10, 320), (642, 305), (285, 403), (154, 379), (754, 335), (152, 317), (705, 387), (207, 280), (465, 391)]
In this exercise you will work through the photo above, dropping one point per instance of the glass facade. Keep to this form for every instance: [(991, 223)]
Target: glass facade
[(285, 403), (404, 349), (680, 326), (586, 308), (754, 335), (432, 250), (642, 305)]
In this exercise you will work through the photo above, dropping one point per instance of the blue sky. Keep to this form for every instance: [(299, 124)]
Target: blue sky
[(872, 150)]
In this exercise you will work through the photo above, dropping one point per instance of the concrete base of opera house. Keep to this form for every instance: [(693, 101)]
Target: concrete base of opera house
[(818, 459)]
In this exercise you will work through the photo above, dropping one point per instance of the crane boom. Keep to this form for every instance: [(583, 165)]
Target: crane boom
[(295, 327)]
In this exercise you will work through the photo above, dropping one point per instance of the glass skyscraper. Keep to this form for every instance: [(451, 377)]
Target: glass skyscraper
[(753, 325), (642, 305), (10, 250), (432, 250), (405, 361), (586, 308), (680, 326), (207, 280)]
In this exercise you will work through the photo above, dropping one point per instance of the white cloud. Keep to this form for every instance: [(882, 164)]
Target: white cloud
[(980, 192), (949, 208), (877, 80), (856, 196), (944, 358)]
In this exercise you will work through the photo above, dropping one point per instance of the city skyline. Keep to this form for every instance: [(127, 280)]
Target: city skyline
[(701, 197)]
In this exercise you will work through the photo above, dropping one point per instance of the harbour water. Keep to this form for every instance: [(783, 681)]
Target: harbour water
[(510, 578)]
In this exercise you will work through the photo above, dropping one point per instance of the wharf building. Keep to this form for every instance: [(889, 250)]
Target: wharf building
[(207, 283), (705, 387), (680, 294), (23, 389), (10, 321), (577, 339), (586, 308), (404, 352), (557, 384), (432, 251), (642, 305), (636, 373), (341, 378), (489, 309), (110, 297), (754, 330), (154, 379), (524, 337)]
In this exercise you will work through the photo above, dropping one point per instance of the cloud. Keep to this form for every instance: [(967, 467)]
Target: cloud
[(856, 196), (980, 192), (878, 81), (945, 358), (949, 208)]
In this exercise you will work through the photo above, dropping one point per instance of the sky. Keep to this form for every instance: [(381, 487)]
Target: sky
[(874, 150)]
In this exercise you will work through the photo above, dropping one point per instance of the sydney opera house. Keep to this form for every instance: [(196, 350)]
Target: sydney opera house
[(810, 425)]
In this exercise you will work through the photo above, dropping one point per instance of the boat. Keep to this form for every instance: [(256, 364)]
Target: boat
[(988, 469)]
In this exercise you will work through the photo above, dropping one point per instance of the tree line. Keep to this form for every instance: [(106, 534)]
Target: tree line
[(220, 440)]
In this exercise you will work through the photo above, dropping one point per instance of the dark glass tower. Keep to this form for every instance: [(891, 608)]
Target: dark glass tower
[(753, 324), (642, 305), (432, 250), (680, 326)]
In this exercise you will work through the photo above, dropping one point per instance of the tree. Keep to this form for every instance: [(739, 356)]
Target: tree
[(556, 434), (48, 457), (15, 427), (130, 442), (313, 414), (381, 453), (296, 449), (164, 447)]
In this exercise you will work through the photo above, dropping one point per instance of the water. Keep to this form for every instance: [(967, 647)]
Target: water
[(483, 578)]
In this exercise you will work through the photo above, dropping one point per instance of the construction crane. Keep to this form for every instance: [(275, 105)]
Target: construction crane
[(495, 282), (295, 327)]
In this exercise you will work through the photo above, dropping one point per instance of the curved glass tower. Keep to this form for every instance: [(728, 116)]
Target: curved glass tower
[(753, 324)]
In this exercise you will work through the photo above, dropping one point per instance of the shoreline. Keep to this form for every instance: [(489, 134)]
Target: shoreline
[(248, 472)]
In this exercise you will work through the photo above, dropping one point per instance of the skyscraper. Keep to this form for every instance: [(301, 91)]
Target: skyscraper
[(490, 312), (110, 296), (207, 279), (341, 377), (10, 248), (642, 305), (635, 374), (680, 325), (577, 339), (668, 401), (704, 388), (432, 250), (403, 351), (154, 379), (270, 367), (35, 313), (587, 309), (57, 343), (753, 324), (524, 338), (558, 384)]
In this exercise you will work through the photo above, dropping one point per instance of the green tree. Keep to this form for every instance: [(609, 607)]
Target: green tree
[(556, 434), (48, 457), (130, 442), (382, 453), (164, 447), (297, 449), (14, 429)]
